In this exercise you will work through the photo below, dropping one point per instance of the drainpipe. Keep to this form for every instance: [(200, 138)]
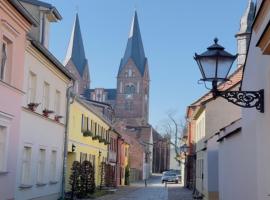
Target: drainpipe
[(70, 95), (118, 137)]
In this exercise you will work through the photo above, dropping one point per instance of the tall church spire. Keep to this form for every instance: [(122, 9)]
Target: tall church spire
[(75, 51), (243, 36), (134, 48)]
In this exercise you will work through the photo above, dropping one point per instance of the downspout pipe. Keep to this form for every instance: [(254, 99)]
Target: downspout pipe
[(70, 95)]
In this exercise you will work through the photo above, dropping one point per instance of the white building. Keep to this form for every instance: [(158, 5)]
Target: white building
[(40, 156), (250, 138)]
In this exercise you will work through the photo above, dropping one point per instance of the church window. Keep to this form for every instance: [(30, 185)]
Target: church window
[(128, 106), (130, 89), (129, 73), (121, 87), (138, 87)]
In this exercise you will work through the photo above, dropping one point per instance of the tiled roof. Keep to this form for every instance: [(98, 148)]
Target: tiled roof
[(134, 48), (111, 94)]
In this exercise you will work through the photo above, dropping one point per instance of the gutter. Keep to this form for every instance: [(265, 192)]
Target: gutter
[(69, 96), (19, 7)]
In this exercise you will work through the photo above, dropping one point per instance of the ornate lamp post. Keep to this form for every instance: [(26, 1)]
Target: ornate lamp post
[(215, 65)]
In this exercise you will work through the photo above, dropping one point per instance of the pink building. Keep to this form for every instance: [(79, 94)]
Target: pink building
[(15, 23)]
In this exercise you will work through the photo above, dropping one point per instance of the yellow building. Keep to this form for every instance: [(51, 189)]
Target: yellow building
[(84, 118)]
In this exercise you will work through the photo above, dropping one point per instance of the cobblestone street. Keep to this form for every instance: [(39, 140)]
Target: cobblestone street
[(155, 190)]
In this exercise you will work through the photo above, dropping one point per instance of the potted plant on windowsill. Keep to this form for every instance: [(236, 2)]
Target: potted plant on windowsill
[(106, 142), (33, 106), (46, 112), (87, 133), (95, 137), (58, 117)]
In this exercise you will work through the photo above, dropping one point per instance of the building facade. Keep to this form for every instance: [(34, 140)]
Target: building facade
[(86, 118), (15, 23), (43, 112)]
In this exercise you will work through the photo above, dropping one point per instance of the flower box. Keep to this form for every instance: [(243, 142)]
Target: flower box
[(33, 106), (96, 137), (87, 133), (46, 112), (57, 117)]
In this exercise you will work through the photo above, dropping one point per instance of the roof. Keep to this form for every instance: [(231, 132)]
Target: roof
[(247, 18), (45, 5), (19, 7), (51, 57), (134, 49), (75, 51), (111, 93)]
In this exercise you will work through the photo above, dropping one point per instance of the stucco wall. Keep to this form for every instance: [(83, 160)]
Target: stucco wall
[(38, 131), (14, 27), (255, 129)]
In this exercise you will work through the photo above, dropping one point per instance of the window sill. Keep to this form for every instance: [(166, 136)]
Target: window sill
[(3, 172), (41, 184), (25, 186), (53, 182)]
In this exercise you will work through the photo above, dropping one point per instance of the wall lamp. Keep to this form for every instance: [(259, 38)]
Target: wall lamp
[(215, 65)]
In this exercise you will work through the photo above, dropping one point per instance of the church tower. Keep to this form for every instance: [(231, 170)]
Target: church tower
[(76, 61), (243, 36), (132, 96)]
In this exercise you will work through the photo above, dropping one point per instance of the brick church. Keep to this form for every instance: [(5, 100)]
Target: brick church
[(130, 99)]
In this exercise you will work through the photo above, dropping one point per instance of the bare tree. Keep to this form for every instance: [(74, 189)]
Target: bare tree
[(174, 129)]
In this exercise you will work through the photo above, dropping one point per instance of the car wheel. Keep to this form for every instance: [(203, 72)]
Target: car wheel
[(176, 182)]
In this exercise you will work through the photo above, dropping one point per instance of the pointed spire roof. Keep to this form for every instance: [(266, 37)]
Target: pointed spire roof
[(75, 50), (247, 18), (134, 48)]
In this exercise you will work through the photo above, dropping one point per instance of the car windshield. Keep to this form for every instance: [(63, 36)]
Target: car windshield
[(169, 174)]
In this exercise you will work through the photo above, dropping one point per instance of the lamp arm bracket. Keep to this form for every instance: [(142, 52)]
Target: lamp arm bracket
[(245, 99)]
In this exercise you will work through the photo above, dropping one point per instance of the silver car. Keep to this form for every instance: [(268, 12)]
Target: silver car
[(169, 177)]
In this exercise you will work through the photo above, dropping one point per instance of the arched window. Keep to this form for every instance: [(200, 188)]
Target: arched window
[(130, 89)]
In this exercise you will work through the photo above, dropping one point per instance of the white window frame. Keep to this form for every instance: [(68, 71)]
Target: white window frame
[(46, 95), (5, 121), (28, 181), (53, 169), (57, 102), (32, 87), (41, 166)]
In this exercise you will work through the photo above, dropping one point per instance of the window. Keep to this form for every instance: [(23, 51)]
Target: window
[(57, 102), (129, 73), (83, 157), (3, 148), (82, 124), (128, 106), (121, 87), (26, 166), (46, 93), (130, 89), (5, 65), (53, 165), (41, 166), (32, 84)]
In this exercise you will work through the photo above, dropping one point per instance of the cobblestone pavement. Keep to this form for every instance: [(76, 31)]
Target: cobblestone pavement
[(155, 190)]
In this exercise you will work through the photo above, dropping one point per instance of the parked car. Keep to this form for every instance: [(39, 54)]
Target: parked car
[(168, 176)]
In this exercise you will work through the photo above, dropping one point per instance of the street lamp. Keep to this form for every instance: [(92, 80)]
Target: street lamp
[(215, 65), (184, 148)]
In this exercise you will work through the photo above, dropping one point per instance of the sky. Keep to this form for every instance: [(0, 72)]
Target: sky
[(172, 31)]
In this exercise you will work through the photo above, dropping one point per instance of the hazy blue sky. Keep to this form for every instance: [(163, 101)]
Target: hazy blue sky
[(172, 31)]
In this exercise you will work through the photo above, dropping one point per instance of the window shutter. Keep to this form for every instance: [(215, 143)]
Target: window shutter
[(82, 123)]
